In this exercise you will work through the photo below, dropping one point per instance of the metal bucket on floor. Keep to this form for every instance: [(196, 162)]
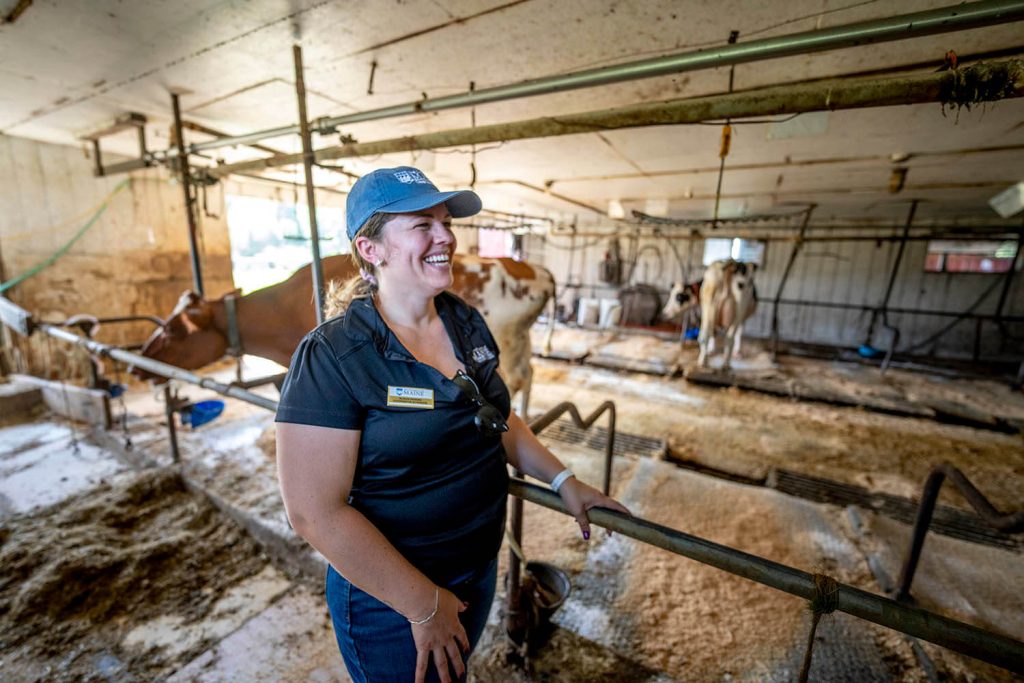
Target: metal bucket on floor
[(550, 590)]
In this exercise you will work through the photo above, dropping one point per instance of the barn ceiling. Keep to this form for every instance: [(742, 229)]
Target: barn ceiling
[(68, 68)]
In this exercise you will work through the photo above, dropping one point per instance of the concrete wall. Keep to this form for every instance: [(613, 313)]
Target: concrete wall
[(844, 272), (133, 260)]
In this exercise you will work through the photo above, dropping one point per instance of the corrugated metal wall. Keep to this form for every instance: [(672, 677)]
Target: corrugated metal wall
[(837, 272)]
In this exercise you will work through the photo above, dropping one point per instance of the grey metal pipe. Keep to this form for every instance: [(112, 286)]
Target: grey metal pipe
[(917, 24), (983, 82), (190, 214), (956, 635), (797, 246), (317, 269), (157, 367)]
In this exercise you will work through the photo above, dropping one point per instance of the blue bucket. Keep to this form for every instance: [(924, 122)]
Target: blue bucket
[(198, 414), (868, 351)]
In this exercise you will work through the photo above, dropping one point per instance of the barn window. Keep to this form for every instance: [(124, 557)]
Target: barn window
[(495, 243), (974, 256), (270, 238), (748, 251)]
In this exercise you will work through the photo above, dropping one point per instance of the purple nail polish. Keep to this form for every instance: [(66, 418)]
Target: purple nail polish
[(586, 535)]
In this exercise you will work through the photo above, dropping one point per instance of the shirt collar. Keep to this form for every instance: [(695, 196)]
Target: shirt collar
[(364, 323)]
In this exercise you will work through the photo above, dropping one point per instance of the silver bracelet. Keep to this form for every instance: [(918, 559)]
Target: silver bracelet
[(560, 478), (432, 614)]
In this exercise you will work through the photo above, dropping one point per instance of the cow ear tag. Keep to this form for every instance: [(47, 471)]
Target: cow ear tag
[(410, 397)]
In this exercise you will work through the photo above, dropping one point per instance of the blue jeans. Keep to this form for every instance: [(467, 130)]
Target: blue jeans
[(376, 641)]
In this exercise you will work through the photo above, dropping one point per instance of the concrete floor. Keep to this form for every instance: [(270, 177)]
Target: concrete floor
[(635, 613)]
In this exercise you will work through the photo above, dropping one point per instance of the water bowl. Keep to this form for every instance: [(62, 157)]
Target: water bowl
[(198, 414)]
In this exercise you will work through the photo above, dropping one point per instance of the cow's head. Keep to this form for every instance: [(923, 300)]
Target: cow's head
[(187, 340), (742, 281), (681, 298)]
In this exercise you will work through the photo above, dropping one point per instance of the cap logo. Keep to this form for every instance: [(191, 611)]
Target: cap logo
[(411, 176)]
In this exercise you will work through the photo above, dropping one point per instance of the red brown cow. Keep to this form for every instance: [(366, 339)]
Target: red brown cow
[(272, 321)]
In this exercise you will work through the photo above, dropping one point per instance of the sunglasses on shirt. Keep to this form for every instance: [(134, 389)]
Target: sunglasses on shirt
[(488, 419)]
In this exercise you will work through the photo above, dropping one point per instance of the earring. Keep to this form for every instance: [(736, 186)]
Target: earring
[(379, 263)]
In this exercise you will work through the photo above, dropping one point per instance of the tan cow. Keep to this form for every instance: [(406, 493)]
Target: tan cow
[(272, 321), (727, 298)]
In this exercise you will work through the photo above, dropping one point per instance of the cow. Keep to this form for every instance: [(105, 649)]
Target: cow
[(727, 298), (271, 321)]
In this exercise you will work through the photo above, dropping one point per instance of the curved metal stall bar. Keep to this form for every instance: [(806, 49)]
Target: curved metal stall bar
[(949, 633), (930, 22), (1010, 522)]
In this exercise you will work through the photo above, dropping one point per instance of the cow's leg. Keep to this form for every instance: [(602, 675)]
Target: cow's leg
[(738, 343), (551, 330), (730, 335), (705, 340), (524, 394)]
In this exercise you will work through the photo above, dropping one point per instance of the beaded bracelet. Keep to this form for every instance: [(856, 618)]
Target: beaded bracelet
[(432, 614)]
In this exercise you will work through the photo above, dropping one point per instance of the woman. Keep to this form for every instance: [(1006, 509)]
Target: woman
[(393, 437)]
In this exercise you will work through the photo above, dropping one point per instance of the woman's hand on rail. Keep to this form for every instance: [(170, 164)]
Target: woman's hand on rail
[(442, 638), (579, 497)]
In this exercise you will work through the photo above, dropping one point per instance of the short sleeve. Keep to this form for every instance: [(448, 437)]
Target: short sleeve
[(315, 390)]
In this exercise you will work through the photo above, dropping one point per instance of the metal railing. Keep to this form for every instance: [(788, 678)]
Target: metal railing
[(956, 635), (1009, 523)]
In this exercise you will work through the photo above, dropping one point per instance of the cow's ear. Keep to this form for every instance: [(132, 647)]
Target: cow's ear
[(198, 316)]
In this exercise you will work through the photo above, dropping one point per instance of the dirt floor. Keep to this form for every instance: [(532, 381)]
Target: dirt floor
[(79, 576)]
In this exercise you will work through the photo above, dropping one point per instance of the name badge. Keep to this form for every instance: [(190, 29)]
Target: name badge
[(410, 397)]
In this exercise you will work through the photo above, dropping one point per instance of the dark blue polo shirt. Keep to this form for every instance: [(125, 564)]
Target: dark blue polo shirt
[(426, 477)]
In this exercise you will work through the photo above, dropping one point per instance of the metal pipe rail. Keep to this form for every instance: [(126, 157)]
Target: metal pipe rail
[(157, 367), (949, 633), (982, 82), (1009, 523), (917, 24), (901, 311)]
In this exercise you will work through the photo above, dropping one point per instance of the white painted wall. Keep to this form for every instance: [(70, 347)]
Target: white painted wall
[(844, 272)]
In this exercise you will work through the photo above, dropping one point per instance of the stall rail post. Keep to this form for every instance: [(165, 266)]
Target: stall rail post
[(307, 164), (186, 188)]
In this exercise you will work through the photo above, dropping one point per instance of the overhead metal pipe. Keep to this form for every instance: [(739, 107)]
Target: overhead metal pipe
[(914, 25), (956, 635), (986, 82)]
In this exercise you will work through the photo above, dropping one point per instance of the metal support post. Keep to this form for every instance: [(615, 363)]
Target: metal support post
[(797, 246), (307, 164), (183, 171), (513, 618), (170, 404)]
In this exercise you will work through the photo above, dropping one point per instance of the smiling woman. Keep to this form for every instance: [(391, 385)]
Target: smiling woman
[(394, 435)]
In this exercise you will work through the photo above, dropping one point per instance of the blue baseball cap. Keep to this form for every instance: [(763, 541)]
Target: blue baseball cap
[(403, 189)]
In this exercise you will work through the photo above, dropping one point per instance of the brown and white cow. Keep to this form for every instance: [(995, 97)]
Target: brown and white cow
[(272, 321), (727, 298)]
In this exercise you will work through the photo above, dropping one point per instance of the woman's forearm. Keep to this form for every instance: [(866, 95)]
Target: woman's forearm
[(527, 454)]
